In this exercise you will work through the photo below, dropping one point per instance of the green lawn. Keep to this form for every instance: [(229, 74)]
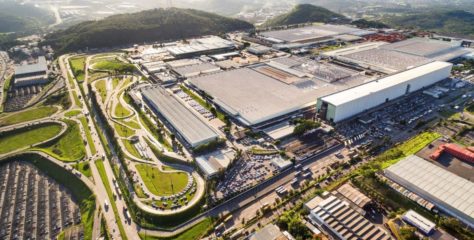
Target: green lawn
[(77, 101), (114, 66), (194, 233), (131, 149), (70, 147), (77, 67), (132, 124), (123, 131), (73, 113), (25, 137), (70, 80), (121, 111), (28, 115), (84, 168), (101, 86), (104, 178), (160, 183), (90, 141)]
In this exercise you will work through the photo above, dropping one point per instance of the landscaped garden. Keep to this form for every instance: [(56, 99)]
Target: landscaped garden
[(25, 137), (161, 183)]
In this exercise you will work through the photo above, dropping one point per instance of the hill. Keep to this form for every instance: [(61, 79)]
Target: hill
[(16, 17), (449, 22), (145, 26), (305, 13)]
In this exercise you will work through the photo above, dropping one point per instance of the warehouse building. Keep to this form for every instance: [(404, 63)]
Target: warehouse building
[(265, 94), (314, 34), (32, 74), (189, 127), (450, 193), (345, 104), (421, 223), (391, 58), (340, 220), (200, 46)]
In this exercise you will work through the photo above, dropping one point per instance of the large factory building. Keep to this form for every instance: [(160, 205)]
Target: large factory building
[(345, 104)]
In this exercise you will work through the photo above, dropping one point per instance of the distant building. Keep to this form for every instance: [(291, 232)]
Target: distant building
[(31, 74), (271, 232), (213, 163)]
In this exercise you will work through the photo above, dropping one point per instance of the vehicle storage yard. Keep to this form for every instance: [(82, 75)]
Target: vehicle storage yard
[(33, 206)]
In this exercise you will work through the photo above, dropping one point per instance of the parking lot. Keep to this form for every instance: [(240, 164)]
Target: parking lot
[(244, 174), (195, 105), (33, 206)]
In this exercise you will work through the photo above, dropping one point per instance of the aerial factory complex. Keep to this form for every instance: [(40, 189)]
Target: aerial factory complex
[(312, 131)]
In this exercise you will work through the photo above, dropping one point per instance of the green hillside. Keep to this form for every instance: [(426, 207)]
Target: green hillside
[(305, 13), (449, 22), (16, 17), (145, 26)]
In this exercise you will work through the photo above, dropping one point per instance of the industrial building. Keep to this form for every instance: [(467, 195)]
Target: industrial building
[(200, 46), (31, 74), (268, 93), (395, 57), (345, 104), (271, 232), (450, 193), (339, 219), (421, 223), (213, 163), (466, 154), (314, 34), (196, 70), (189, 127)]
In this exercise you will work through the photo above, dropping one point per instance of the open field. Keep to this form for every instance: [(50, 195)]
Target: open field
[(121, 111), (72, 113), (77, 67), (131, 149), (70, 147), (160, 183), (90, 141), (113, 65), (123, 131), (103, 176), (194, 233), (101, 87), (11, 141), (28, 115)]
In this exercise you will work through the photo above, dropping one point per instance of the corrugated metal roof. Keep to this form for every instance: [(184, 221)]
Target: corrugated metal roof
[(40, 66), (191, 127), (436, 182)]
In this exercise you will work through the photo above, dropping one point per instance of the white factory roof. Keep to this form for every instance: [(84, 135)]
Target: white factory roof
[(436, 182), (313, 32), (253, 96), (196, 69), (419, 221), (381, 84), (194, 130), (199, 45)]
